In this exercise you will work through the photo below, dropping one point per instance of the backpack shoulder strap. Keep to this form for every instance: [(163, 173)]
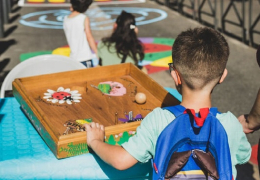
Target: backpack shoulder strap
[(214, 111), (176, 110)]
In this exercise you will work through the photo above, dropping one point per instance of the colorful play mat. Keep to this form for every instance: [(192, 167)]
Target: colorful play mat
[(157, 53), (67, 2)]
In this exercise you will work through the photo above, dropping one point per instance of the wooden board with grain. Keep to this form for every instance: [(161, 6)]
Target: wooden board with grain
[(49, 118)]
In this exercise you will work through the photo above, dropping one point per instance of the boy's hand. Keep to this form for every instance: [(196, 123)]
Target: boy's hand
[(95, 132), (244, 124)]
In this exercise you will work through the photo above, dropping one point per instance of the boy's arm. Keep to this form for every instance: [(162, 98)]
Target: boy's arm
[(116, 156), (244, 150), (251, 122), (90, 38)]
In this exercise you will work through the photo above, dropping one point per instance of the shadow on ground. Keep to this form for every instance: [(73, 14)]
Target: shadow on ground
[(15, 17), (10, 30), (6, 44), (3, 74)]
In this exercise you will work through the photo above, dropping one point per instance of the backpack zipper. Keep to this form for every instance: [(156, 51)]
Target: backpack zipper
[(178, 145)]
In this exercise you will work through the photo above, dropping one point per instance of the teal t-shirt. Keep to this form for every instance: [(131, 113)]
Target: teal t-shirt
[(142, 145), (109, 56)]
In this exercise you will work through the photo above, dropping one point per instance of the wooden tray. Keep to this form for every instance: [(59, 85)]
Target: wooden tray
[(49, 118)]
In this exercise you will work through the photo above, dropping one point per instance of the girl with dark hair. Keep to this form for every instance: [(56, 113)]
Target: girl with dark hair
[(122, 46)]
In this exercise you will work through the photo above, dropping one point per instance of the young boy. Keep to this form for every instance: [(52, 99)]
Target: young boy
[(78, 33), (199, 60)]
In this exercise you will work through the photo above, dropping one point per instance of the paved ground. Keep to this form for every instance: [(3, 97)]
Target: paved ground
[(236, 94)]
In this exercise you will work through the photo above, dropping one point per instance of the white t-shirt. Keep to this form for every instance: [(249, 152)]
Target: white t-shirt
[(74, 29)]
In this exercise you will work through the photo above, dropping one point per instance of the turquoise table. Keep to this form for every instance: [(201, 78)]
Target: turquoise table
[(24, 155)]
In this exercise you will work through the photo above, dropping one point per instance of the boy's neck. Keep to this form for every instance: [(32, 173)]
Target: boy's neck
[(196, 99), (74, 13)]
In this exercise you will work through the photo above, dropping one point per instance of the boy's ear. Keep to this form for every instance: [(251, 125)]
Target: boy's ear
[(224, 75), (176, 77)]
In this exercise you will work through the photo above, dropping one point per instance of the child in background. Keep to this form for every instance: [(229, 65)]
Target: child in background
[(78, 33), (199, 63), (122, 46)]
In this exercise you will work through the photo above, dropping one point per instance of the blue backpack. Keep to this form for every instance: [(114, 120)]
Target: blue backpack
[(192, 147)]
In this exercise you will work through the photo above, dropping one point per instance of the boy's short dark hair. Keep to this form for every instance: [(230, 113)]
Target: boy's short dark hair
[(80, 5), (200, 55)]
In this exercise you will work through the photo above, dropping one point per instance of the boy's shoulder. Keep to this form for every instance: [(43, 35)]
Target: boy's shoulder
[(229, 120), (158, 119), (224, 118), (82, 16), (231, 125), (161, 112), (78, 17), (161, 117)]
